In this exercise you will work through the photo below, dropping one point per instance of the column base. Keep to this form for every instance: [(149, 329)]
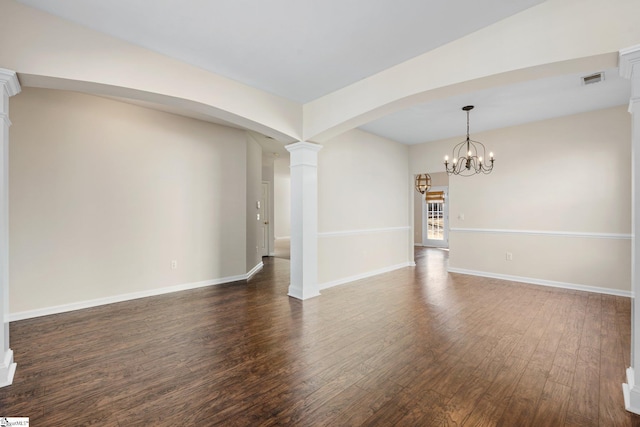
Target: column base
[(298, 293), (631, 393), (7, 369)]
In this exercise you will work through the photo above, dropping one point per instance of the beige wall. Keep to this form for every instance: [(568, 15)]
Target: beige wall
[(104, 195), (363, 200), (281, 198), (559, 200)]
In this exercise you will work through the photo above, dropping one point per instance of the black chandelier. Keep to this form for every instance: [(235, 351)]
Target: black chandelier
[(468, 156)]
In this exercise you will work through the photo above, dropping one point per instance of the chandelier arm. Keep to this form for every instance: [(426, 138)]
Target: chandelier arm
[(484, 149), (477, 142), (458, 152)]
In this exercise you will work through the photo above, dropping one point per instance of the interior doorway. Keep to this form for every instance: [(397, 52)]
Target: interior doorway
[(265, 220), (281, 207), (435, 218)]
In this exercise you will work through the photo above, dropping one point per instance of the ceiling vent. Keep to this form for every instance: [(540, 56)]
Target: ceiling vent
[(593, 78)]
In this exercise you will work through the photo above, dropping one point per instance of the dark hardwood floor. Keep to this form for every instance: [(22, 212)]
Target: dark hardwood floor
[(413, 347)]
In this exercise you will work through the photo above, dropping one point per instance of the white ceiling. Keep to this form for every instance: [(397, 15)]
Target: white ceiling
[(298, 49), (304, 49), (503, 106)]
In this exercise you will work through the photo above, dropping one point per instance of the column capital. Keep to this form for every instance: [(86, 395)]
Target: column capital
[(629, 68), (9, 79), (303, 145), (303, 153)]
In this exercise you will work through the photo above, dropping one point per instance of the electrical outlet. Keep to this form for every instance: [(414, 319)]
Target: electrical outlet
[(509, 256), (174, 264)]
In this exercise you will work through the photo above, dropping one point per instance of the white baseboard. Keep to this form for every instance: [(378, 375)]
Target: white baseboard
[(29, 314), (254, 270), (344, 280), (542, 282)]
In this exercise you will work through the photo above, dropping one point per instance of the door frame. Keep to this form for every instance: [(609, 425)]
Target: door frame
[(444, 243), (267, 223)]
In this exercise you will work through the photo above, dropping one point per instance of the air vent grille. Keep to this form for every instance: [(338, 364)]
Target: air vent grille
[(592, 79)]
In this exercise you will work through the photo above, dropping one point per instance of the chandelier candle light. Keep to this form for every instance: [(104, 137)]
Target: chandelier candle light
[(468, 156)]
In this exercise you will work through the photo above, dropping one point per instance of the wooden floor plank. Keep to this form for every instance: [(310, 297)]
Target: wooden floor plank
[(585, 390), (416, 346), (552, 409)]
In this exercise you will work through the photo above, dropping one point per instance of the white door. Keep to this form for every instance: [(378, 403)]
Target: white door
[(264, 220), (435, 218)]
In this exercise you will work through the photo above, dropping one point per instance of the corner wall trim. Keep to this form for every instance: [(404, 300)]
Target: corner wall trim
[(345, 280), (362, 231), (544, 233), (29, 314), (542, 282)]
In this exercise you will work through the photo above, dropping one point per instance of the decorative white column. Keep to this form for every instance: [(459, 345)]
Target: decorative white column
[(304, 220), (9, 86), (629, 64)]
